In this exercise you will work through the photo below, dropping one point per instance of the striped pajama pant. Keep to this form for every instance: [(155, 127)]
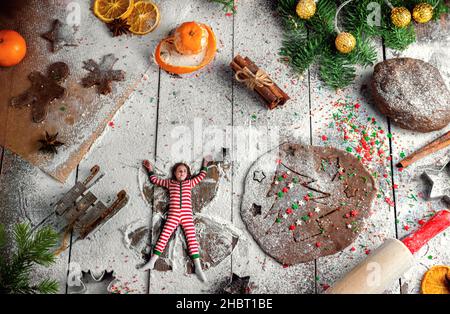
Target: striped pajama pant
[(180, 212)]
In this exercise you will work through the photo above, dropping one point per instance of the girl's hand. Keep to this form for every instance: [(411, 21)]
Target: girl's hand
[(206, 159), (147, 165)]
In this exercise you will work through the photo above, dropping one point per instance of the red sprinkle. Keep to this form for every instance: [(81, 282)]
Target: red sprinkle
[(289, 211), (306, 198), (318, 244), (292, 227), (354, 213), (310, 214), (324, 138), (111, 124), (285, 190), (422, 222), (367, 251), (357, 106), (406, 227), (353, 249)]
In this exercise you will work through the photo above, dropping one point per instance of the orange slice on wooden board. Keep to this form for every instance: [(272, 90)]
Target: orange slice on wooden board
[(109, 10), (435, 280), (143, 18), (170, 60)]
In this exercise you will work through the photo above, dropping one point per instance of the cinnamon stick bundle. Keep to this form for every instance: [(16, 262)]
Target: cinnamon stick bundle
[(432, 147), (258, 80)]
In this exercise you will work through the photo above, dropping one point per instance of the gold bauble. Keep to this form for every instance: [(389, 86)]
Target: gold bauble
[(306, 9), (345, 42), (400, 17), (423, 12)]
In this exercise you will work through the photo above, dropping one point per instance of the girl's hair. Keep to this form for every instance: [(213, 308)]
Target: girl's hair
[(175, 167)]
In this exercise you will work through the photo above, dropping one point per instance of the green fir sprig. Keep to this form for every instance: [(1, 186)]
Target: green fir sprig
[(307, 42), (228, 5), (29, 249)]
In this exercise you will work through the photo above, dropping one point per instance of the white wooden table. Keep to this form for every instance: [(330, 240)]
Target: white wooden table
[(161, 103)]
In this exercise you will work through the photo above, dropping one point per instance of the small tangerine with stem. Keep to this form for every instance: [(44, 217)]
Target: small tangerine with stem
[(190, 38)]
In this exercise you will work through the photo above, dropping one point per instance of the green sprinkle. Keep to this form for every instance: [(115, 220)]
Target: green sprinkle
[(349, 149), (402, 155), (295, 180), (389, 135), (310, 194), (254, 116), (278, 220), (295, 206), (62, 108), (305, 218), (430, 256), (280, 194)]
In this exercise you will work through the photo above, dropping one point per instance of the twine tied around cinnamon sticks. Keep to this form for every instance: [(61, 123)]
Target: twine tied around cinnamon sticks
[(257, 80), (260, 79)]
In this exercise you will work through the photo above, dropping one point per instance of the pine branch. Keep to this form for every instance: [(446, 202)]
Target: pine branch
[(29, 250), (309, 41), (398, 38), (228, 5), (336, 70), (47, 286)]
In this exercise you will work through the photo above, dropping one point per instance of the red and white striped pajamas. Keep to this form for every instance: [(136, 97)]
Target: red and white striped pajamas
[(180, 211)]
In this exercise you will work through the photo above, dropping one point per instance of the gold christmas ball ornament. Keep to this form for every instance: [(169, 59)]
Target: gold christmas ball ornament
[(306, 9), (345, 42), (400, 17), (423, 12)]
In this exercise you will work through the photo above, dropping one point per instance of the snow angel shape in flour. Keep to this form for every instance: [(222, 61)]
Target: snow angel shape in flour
[(180, 211)]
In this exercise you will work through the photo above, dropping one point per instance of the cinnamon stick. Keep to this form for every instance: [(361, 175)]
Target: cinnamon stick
[(432, 147), (272, 94)]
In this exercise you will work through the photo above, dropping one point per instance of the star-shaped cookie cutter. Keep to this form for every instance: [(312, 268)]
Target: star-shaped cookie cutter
[(440, 182)]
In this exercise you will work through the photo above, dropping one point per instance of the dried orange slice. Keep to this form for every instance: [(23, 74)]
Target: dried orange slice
[(108, 10), (435, 280), (143, 18), (172, 61)]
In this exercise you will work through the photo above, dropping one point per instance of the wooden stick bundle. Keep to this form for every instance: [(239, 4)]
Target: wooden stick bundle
[(258, 80), (432, 147)]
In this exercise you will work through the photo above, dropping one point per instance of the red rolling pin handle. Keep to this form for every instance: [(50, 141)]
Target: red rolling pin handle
[(428, 231)]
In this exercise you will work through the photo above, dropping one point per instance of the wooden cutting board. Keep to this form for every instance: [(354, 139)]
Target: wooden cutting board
[(81, 116)]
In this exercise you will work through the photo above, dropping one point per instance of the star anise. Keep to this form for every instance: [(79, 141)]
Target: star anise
[(50, 144), (118, 27)]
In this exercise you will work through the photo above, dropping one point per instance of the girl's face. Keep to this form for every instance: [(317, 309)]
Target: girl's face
[(181, 173)]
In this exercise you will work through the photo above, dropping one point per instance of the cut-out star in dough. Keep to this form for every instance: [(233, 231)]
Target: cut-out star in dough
[(259, 176)]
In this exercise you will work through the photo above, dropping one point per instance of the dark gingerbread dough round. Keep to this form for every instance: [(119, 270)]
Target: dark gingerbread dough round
[(412, 93), (302, 202)]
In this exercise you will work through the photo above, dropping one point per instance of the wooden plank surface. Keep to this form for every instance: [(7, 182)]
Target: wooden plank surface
[(258, 35), (130, 138), (27, 195), (412, 203), (381, 222), (188, 107), (164, 106)]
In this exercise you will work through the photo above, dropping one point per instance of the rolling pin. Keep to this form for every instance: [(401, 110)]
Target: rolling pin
[(390, 261)]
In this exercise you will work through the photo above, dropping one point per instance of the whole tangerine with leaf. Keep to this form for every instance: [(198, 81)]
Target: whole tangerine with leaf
[(13, 48)]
